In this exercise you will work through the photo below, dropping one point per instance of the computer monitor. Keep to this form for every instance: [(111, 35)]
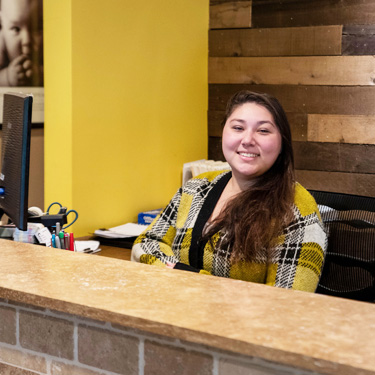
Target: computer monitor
[(15, 158)]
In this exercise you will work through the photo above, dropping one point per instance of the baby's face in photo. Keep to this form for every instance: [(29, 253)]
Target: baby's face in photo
[(17, 17)]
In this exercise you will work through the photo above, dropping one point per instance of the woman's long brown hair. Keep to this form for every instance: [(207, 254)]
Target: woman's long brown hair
[(253, 219)]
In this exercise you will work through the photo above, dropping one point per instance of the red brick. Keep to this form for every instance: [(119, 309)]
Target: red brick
[(166, 359), (108, 350), (46, 334), (58, 368), (19, 358), (8, 325), (11, 370)]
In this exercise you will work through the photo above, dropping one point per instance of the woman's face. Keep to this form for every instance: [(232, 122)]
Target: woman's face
[(251, 141)]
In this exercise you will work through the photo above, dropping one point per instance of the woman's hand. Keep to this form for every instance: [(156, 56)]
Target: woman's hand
[(170, 265)]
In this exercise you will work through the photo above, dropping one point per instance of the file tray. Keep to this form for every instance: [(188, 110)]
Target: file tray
[(146, 218), (125, 243)]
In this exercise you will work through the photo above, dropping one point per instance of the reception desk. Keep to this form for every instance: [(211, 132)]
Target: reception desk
[(69, 313)]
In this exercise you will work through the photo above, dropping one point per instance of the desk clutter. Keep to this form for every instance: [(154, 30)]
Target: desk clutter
[(45, 228), (124, 235), (129, 230), (122, 231)]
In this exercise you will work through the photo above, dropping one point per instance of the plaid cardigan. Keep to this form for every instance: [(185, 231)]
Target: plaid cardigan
[(174, 237)]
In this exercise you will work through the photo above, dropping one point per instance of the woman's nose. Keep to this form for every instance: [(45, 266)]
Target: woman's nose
[(248, 138)]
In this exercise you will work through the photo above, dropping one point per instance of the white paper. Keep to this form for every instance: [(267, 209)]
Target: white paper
[(44, 236), (122, 231), (82, 246)]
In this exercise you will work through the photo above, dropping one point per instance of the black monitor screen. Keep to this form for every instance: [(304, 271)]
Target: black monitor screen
[(15, 158)]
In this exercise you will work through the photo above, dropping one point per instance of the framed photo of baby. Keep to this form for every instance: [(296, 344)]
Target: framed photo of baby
[(21, 52)]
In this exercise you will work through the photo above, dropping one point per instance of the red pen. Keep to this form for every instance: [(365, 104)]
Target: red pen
[(66, 241), (71, 245)]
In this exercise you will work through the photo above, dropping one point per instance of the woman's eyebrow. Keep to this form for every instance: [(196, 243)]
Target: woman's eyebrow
[(238, 120), (266, 122), (258, 123)]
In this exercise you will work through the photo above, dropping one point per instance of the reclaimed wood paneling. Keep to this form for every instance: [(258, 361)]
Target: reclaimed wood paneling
[(345, 100), (292, 41), (312, 70), (358, 40), (286, 13), (215, 151), (349, 183), (315, 156), (342, 129), (334, 157), (214, 120), (298, 124), (231, 14), (324, 80)]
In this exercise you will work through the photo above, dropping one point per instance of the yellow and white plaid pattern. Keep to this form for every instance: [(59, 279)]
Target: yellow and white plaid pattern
[(299, 251)]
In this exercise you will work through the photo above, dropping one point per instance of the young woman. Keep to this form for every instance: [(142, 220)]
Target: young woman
[(253, 223)]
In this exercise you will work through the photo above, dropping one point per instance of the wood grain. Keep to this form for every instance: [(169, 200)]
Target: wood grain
[(344, 100), (318, 58), (315, 156), (287, 13), (214, 2), (214, 120), (312, 70), (334, 157), (358, 40), (339, 181), (349, 183), (215, 151), (294, 41), (231, 14), (339, 128)]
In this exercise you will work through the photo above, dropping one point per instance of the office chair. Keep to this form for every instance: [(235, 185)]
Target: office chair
[(349, 268)]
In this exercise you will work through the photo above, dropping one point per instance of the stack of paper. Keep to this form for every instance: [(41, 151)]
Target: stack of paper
[(122, 231)]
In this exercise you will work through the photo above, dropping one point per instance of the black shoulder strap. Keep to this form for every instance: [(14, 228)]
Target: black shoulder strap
[(197, 246)]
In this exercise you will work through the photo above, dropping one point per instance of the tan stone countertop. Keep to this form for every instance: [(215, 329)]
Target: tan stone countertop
[(315, 332)]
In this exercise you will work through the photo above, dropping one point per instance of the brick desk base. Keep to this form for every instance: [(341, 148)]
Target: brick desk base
[(40, 341)]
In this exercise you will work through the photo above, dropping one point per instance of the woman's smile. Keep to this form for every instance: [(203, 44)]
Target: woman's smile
[(248, 155)]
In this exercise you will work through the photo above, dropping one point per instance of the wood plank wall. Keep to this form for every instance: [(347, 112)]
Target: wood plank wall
[(317, 58)]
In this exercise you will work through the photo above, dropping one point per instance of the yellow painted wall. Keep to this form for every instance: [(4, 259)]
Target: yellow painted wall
[(57, 102), (126, 96)]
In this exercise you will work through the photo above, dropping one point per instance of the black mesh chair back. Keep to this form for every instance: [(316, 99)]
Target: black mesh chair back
[(349, 268)]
